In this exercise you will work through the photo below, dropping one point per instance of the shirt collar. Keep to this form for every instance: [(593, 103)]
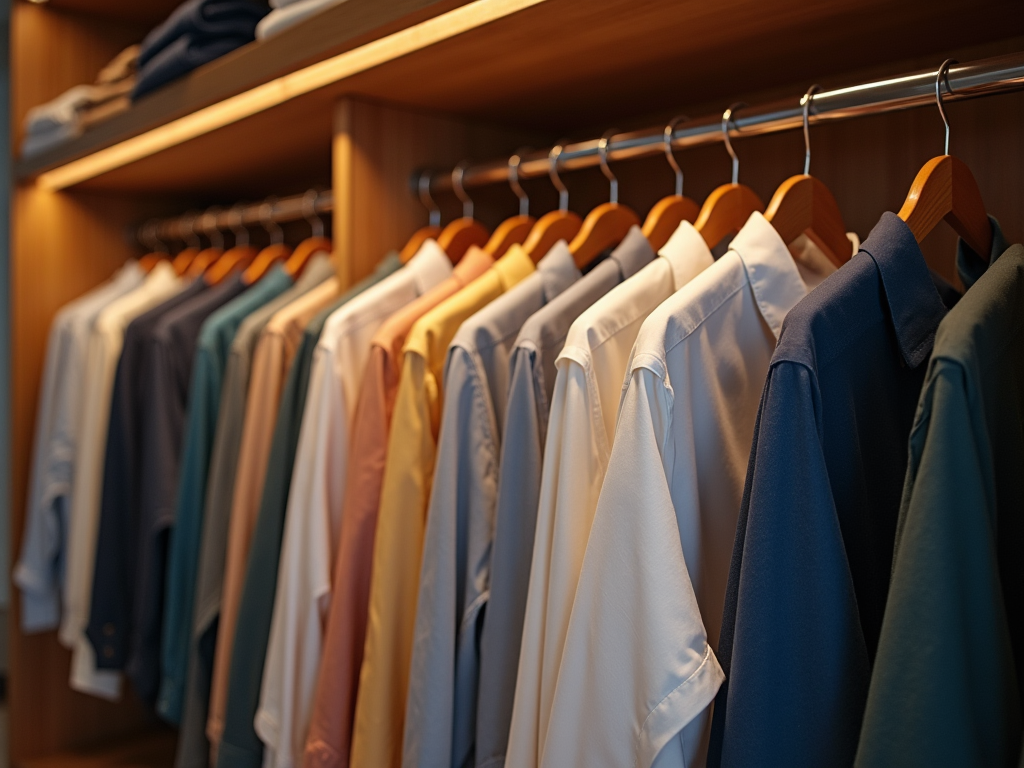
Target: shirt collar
[(557, 270), (914, 303), (473, 263), (687, 254), (771, 270), (969, 265), (515, 265), (633, 253), (429, 266)]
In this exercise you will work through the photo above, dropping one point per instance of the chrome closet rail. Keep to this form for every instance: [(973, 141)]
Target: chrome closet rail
[(1000, 74)]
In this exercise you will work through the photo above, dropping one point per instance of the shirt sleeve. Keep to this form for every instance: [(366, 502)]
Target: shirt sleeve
[(634, 601), (943, 691), (795, 659)]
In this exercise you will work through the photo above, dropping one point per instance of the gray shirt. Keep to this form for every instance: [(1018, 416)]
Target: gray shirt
[(193, 747), (454, 578), (518, 493)]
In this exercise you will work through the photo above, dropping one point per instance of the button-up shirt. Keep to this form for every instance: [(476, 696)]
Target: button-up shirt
[(666, 518), (330, 734), (313, 517), (591, 369), (811, 562), (455, 574), (384, 678), (948, 679), (532, 381)]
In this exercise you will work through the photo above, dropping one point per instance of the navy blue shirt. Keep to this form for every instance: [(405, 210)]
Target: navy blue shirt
[(814, 540)]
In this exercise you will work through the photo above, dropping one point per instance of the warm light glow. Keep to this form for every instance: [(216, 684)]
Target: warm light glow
[(275, 92)]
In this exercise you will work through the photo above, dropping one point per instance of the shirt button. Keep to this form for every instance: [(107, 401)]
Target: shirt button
[(109, 629), (108, 651)]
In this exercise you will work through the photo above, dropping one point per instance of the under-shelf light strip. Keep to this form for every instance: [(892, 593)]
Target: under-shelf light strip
[(287, 87)]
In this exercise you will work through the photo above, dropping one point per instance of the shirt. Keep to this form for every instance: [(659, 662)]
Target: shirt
[(591, 369), (384, 677), (330, 734), (212, 351), (666, 515), (441, 704), (193, 746), (947, 683), (39, 572), (532, 381), (313, 515), (844, 382), (240, 745), (105, 340)]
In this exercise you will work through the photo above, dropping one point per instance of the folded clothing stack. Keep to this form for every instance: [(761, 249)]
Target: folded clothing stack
[(198, 32), (287, 13), (65, 117)]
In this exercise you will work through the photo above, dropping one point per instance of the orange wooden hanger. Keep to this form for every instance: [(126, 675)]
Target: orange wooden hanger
[(608, 223), (669, 212), (804, 205), (273, 253), (190, 251), (945, 189), (561, 224), (458, 236), (207, 256), (514, 230), (433, 229), (729, 206), (157, 249), (237, 257), (312, 245)]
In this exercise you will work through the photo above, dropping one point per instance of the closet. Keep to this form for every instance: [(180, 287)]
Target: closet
[(365, 96)]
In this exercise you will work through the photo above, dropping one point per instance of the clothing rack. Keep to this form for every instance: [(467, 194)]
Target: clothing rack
[(1001, 74)]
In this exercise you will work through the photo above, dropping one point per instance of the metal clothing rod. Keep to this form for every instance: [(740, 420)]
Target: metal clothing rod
[(1000, 74)]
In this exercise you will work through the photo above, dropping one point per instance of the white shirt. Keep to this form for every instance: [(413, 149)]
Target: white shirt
[(97, 387), (654, 575), (312, 519), (41, 563), (591, 369)]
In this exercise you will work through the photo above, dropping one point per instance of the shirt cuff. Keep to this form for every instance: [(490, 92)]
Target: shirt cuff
[(40, 604)]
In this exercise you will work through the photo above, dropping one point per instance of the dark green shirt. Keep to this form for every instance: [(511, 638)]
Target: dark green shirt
[(949, 673)]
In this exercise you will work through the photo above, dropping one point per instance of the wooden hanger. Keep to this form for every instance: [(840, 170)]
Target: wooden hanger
[(185, 257), (608, 223), (273, 253), (157, 250), (669, 212), (430, 232), (945, 189), (458, 236), (516, 229), (561, 224), (729, 206), (804, 205), (238, 257), (312, 245)]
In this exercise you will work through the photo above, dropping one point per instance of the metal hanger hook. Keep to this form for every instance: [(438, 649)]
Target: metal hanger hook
[(727, 116), (563, 191), (148, 236), (460, 191), (423, 188), (805, 102), (267, 220), (309, 201), (190, 237), (670, 130), (940, 76), (238, 227), (213, 233), (602, 156), (513, 181)]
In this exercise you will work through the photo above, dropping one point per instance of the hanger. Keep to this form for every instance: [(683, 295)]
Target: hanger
[(433, 228), (729, 206), (157, 249), (273, 253), (946, 189), (803, 204), (192, 247), (315, 243), (207, 256), (515, 229), (459, 235), (608, 223), (240, 256), (562, 224), (667, 214)]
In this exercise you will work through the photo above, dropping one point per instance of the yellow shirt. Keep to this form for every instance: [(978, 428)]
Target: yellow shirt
[(408, 471)]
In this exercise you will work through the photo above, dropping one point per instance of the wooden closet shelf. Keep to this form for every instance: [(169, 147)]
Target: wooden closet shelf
[(154, 749)]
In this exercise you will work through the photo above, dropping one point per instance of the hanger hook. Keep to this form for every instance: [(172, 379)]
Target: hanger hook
[(602, 156), (147, 236), (805, 102), (513, 181), (670, 130), (238, 227), (189, 236), (943, 74), (309, 201), (460, 191), (423, 187), (727, 116), (213, 233), (267, 220), (563, 191)]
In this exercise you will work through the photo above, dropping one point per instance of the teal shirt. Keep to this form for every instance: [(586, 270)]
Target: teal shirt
[(212, 351), (948, 678), (240, 746)]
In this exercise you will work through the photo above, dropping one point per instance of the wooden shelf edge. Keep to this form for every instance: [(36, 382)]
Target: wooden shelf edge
[(151, 749)]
